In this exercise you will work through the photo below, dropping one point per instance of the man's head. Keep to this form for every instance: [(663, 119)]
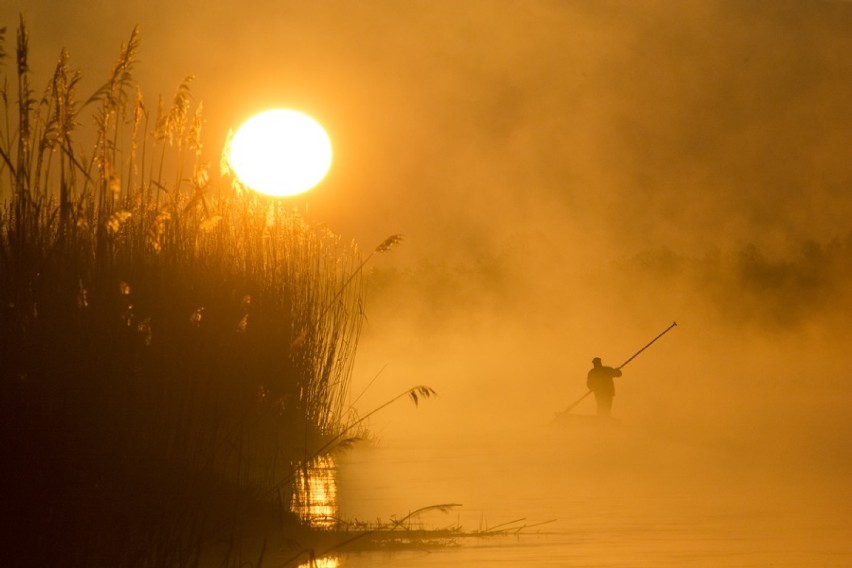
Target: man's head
[(596, 361)]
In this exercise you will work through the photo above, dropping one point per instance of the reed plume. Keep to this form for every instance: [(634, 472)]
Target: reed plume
[(171, 345)]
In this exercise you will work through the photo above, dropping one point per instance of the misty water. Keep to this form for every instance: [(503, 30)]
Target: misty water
[(570, 177), (588, 494), (728, 448)]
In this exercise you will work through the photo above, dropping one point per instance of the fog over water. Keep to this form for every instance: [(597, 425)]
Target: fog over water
[(570, 178)]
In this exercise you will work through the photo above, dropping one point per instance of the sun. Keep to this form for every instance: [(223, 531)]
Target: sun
[(280, 152)]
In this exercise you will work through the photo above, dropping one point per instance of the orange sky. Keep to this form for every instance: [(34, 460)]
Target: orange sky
[(630, 125), (547, 162), (570, 176)]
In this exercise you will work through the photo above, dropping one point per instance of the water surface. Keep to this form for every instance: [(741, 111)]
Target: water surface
[(608, 495)]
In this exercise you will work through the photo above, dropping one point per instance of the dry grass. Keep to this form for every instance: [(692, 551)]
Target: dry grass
[(172, 346)]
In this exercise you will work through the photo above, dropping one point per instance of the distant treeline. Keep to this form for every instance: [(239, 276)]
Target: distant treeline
[(743, 286), (749, 286)]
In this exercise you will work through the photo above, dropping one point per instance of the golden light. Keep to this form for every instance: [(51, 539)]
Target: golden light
[(280, 152), (325, 562)]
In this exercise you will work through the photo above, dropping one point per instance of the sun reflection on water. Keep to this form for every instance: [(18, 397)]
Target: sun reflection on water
[(315, 494), (326, 562)]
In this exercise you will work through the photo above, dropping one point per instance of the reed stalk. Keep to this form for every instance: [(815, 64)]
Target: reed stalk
[(171, 344)]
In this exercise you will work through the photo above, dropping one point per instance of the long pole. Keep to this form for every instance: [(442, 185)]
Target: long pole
[(674, 323), (582, 398)]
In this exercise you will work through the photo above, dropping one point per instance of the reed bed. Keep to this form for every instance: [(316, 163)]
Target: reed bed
[(172, 345)]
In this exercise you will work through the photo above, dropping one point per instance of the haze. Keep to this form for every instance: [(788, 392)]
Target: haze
[(570, 178)]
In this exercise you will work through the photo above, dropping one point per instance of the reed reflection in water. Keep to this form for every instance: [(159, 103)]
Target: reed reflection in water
[(314, 498)]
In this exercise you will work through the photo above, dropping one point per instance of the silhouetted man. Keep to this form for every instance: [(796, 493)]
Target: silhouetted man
[(599, 380)]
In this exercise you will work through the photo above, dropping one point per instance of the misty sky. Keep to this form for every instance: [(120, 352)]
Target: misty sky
[(600, 126), (530, 151), (570, 177)]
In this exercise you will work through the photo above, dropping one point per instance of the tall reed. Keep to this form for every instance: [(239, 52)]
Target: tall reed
[(171, 344)]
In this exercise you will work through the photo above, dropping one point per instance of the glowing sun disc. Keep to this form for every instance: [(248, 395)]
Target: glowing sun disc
[(280, 152)]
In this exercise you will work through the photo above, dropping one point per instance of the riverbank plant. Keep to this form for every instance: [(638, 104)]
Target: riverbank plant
[(172, 345)]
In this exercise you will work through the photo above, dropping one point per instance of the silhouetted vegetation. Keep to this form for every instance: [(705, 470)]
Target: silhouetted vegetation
[(173, 347), (406, 533), (749, 286)]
